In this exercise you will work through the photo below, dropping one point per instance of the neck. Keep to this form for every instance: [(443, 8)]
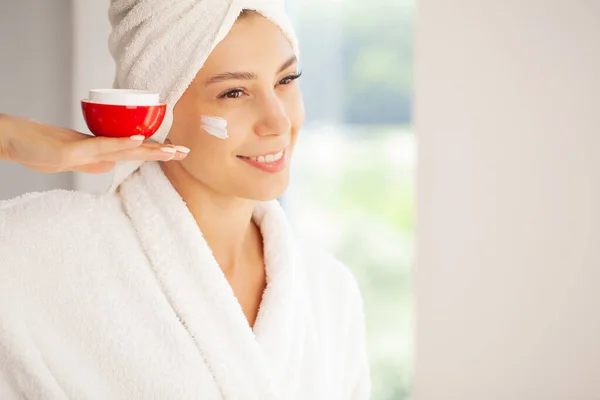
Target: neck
[(226, 222)]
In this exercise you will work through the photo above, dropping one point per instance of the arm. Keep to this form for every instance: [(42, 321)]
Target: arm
[(47, 148)]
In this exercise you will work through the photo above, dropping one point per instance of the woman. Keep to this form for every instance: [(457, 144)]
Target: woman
[(184, 282)]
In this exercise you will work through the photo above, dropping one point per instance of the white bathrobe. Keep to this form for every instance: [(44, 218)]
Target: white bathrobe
[(118, 296)]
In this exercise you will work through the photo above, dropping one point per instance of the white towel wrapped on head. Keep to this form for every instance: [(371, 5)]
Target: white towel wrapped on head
[(160, 45)]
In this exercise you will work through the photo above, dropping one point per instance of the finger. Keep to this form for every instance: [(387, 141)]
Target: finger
[(181, 151), (178, 156), (92, 149), (145, 154), (101, 167), (69, 160), (154, 145)]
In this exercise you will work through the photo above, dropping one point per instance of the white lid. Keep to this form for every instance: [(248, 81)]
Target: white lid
[(124, 97)]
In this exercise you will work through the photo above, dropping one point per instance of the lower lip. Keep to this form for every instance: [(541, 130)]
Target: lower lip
[(273, 167)]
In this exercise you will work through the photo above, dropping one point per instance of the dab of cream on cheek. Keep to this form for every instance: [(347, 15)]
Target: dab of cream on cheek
[(215, 126)]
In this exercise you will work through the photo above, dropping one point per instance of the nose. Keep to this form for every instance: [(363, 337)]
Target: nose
[(274, 119)]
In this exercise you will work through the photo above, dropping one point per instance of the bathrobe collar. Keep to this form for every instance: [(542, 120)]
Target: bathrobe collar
[(245, 363)]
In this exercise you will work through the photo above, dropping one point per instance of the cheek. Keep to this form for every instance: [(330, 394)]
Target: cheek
[(186, 123), (206, 149), (295, 112), (241, 119), (294, 106), (210, 151)]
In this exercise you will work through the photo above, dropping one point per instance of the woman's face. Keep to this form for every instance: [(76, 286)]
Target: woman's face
[(248, 80)]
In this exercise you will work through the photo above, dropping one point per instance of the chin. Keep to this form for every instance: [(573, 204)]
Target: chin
[(267, 192)]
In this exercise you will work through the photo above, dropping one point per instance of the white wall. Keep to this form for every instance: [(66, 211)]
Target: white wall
[(35, 72), (508, 225)]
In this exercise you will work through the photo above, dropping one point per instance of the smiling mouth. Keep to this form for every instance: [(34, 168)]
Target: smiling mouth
[(266, 158)]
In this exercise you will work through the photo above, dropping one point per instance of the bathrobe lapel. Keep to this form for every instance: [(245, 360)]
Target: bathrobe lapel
[(246, 364)]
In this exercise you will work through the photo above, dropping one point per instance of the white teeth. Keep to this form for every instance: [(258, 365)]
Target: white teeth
[(269, 158)]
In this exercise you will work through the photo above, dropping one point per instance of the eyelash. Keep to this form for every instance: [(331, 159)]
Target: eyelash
[(289, 79)]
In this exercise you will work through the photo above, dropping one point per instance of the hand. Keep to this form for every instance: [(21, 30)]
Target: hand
[(47, 148)]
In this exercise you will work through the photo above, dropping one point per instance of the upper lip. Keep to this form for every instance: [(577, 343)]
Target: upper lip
[(265, 154)]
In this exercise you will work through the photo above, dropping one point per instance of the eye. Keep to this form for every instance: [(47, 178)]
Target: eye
[(231, 94), (290, 78)]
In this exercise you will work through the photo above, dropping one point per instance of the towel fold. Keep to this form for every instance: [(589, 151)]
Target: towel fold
[(161, 45)]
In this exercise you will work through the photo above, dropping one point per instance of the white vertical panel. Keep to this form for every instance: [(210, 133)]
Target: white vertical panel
[(508, 225)]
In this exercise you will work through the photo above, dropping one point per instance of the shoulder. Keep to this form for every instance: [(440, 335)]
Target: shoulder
[(51, 200), (48, 244), (41, 228), (326, 268), (50, 210), (48, 238), (330, 280), (338, 311)]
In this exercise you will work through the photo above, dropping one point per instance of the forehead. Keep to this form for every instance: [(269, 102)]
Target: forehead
[(253, 44)]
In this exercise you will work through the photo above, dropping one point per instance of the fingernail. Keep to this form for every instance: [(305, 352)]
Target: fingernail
[(182, 149), (137, 137), (168, 149)]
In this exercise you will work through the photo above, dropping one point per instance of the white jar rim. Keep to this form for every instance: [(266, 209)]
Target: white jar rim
[(124, 97)]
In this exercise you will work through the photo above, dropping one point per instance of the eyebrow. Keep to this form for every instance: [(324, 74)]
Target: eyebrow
[(246, 76)]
